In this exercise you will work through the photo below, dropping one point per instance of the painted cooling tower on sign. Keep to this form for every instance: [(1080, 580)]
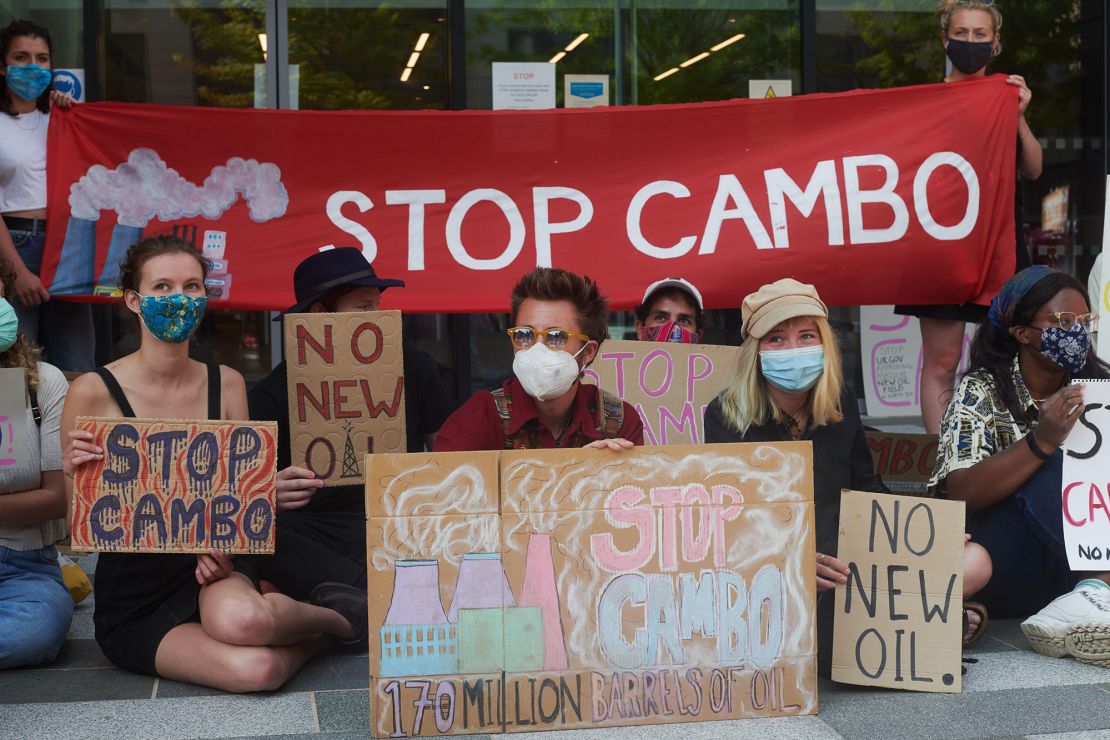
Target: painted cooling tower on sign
[(416, 638), (539, 589), (482, 584), (77, 262), (122, 239)]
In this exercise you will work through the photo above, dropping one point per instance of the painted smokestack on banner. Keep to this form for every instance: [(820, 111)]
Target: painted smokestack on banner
[(482, 584), (123, 236), (416, 638), (539, 589), (77, 262)]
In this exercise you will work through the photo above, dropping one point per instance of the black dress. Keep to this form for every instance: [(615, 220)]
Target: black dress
[(142, 596), (973, 313)]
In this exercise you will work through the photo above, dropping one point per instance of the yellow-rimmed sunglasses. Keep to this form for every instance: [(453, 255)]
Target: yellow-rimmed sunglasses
[(524, 337)]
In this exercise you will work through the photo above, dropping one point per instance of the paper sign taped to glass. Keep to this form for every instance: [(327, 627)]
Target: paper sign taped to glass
[(176, 486), (556, 589)]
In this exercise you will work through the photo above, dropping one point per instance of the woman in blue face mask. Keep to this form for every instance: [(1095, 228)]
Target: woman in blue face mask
[(63, 329), (789, 386), (970, 33), (1000, 452), (201, 619)]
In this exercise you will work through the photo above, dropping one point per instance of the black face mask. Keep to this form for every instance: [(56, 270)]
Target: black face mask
[(969, 56)]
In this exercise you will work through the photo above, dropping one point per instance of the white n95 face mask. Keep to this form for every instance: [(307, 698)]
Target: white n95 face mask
[(545, 373)]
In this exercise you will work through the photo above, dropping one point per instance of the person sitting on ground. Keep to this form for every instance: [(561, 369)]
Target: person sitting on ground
[(202, 618), (35, 607), (321, 532), (671, 311), (558, 322), (1000, 452), (789, 386)]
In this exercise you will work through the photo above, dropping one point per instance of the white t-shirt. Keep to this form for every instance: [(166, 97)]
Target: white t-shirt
[(23, 161)]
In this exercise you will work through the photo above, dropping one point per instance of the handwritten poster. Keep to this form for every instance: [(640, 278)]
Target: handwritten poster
[(670, 385), (904, 461), (346, 391), (558, 589), (14, 448), (1085, 497), (892, 355), (176, 486), (899, 619)]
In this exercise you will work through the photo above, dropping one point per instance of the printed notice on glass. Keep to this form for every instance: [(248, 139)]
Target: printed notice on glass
[(523, 86), (585, 91)]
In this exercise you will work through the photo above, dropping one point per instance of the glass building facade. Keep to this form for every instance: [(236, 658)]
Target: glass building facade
[(353, 54)]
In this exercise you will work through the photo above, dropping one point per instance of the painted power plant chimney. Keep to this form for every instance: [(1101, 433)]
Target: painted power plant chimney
[(482, 584), (416, 638), (77, 262), (539, 589)]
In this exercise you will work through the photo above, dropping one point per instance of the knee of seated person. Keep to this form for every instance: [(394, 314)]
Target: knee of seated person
[(978, 567), (258, 669), (240, 621), (37, 645)]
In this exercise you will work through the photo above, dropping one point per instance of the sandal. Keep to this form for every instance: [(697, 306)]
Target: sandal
[(975, 606)]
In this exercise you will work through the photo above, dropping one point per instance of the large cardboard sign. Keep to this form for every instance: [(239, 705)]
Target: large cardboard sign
[(899, 619), (1085, 498), (14, 447), (346, 391), (670, 385), (891, 353), (904, 461), (176, 486), (596, 589)]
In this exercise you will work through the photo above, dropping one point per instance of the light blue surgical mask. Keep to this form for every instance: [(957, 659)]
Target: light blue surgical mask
[(9, 325), (793, 370), (29, 81)]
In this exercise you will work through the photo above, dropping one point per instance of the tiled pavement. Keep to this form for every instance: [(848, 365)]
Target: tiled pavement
[(1010, 692)]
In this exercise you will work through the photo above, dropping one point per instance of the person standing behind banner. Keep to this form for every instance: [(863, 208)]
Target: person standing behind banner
[(64, 329), (321, 532), (35, 607), (970, 31), (190, 618), (1000, 452), (789, 386), (671, 311), (559, 321)]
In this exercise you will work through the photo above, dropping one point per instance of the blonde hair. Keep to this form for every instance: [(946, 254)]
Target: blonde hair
[(21, 354), (947, 7), (746, 402)]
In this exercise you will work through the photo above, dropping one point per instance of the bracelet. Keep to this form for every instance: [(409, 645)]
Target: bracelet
[(1036, 448)]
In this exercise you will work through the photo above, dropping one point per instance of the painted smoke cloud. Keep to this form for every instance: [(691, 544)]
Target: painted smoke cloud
[(144, 187)]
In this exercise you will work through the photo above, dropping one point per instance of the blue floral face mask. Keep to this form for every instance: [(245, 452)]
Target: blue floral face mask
[(1067, 348), (29, 81), (172, 318), (793, 370)]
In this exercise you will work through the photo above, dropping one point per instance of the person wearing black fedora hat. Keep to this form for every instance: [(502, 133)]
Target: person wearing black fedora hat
[(322, 532)]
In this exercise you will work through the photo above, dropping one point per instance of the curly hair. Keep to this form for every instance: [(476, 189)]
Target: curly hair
[(553, 284), (21, 354)]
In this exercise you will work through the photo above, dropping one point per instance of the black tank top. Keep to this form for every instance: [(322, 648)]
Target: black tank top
[(116, 392)]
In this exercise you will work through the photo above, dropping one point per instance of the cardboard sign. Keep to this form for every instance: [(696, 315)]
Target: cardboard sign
[(891, 353), (346, 390), (176, 486), (904, 461), (899, 619), (1085, 498), (14, 447), (670, 385), (647, 587), (1102, 300)]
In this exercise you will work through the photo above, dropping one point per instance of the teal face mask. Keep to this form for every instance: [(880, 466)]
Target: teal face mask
[(9, 325), (29, 81), (793, 370), (172, 318)]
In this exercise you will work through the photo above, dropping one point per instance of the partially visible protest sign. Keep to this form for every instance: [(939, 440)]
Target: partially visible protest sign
[(13, 417), (891, 354), (904, 461), (560, 589), (346, 390), (668, 384), (176, 486), (1100, 303), (1085, 497), (899, 619)]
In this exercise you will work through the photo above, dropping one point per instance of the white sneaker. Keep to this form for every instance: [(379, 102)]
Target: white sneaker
[(1048, 629)]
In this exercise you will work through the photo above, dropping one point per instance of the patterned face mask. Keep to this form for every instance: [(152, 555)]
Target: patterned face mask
[(172, 318), (1067, 348), (668, 332)]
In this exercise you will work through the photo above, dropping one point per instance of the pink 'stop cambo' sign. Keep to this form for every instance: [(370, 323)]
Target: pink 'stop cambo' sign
[(176, 486)]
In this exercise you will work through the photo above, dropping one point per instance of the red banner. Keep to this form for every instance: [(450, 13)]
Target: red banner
[(892, 196)]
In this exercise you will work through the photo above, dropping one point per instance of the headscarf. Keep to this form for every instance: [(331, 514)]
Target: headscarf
[(1002, 306)]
